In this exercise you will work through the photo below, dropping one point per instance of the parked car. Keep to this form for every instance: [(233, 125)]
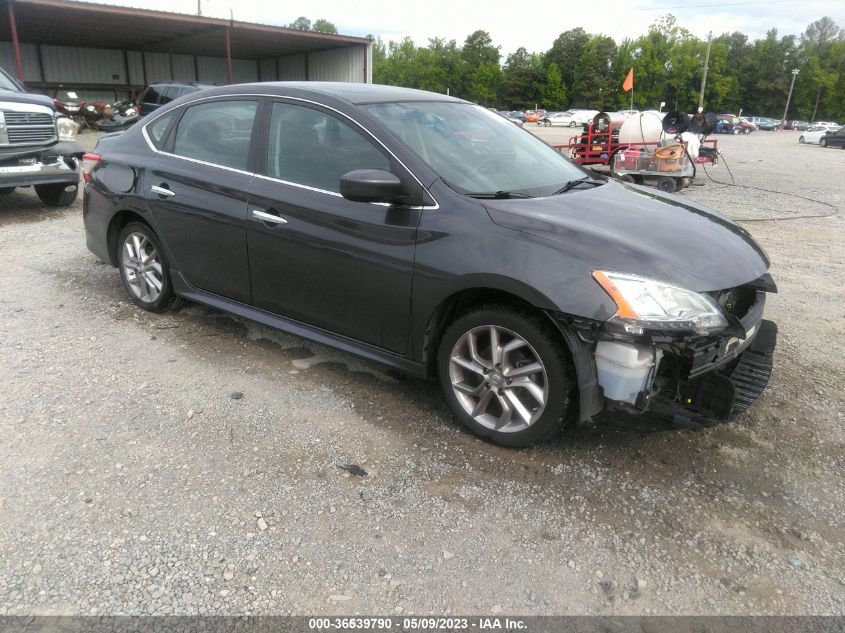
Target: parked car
[(38, 146), (833, 138), (419, 230), (745, 127), (570, 118), (726, 125), (510, 117), (796, 125), (768, 124), (815, 133), (748, 123), (532, 116), (156, 95)]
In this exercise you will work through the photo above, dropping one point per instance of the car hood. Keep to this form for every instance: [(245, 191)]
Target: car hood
[(25, 97), (639, 230)]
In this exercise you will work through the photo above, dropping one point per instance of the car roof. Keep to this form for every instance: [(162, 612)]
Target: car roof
[(355, 93)]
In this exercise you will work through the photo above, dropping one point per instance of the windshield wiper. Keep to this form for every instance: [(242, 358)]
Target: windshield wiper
[(586, 180), (498, 195)]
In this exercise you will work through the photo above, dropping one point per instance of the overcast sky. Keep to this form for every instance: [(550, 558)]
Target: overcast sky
[(513, 24)]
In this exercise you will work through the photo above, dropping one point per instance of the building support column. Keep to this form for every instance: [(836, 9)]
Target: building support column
[(129, 92), (41, 68), (229, 72), (15, 43)]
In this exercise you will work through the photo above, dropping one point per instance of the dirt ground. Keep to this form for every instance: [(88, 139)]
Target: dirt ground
[(189, 463)]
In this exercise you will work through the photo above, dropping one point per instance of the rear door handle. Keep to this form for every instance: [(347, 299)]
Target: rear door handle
[(268, 217), (162, 191)]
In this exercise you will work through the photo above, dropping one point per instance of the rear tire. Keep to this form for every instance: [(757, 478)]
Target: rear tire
[(59, 195), (822, 143), (5, 191), (144, 269), (518, 396), (801, 139), (573, 123)]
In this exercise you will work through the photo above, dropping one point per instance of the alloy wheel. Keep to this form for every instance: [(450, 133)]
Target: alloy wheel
[(142, 266), (498, 379)]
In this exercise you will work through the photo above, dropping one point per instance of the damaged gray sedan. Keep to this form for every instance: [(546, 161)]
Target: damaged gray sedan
[(434, 236)]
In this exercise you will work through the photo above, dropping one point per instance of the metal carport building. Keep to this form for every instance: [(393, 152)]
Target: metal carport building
[(109, 52)]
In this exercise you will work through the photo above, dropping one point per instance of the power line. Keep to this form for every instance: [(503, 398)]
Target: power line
[(709, 6)]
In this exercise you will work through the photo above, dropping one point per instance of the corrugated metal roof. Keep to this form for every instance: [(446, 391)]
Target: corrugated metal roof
[(69, 23)]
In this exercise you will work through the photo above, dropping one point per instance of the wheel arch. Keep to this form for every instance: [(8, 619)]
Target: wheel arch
[(460, 301), (589, 399), (119, 220)]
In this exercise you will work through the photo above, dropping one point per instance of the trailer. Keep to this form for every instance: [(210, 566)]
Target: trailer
[(666, 164)]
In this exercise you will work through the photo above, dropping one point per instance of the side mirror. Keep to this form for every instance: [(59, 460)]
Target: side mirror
[(370, 185)]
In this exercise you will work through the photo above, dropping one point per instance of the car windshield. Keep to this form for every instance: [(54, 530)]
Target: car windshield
[(8, 84), (475, 151)]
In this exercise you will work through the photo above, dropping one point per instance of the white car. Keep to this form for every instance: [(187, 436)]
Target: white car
[(815, 132), (570, 118), (565, 119)]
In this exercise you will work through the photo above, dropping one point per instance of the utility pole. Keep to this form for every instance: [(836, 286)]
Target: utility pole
[(199, 8), (704, 76), (789, 96)]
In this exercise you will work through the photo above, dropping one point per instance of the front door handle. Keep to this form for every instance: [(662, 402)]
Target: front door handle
[(268, 217), (162, 191)]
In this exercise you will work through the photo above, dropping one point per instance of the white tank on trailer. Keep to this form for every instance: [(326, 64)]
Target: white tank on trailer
[(645, 127)]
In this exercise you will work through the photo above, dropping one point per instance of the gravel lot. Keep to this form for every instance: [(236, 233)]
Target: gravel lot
[(188, 463)]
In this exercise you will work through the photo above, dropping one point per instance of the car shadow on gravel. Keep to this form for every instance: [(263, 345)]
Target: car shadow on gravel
[(22, 206), (411, 406)]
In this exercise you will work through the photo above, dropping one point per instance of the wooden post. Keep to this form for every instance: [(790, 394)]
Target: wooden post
[(15, 43), (229, 72)]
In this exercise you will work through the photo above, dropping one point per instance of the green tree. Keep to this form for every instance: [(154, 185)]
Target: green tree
[(482, 78), (301, 23), (593, 86), (553, 92), (566, 52), (522, 77), (324, 26)]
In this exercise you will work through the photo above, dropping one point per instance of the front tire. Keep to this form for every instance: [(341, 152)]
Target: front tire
[(59, 195), (506, 375), (666, 184), (144, 268), (5, 191), (801, 139), (573, 123)]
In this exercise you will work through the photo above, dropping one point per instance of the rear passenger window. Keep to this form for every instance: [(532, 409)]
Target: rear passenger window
[(217, 133), (310, 147), (157, 130), (151, 95), (167, 95)]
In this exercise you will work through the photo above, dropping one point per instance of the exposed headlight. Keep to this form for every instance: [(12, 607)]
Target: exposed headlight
[(66, 128), (645, 304)]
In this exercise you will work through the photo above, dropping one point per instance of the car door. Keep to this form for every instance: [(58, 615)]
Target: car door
[(196, 188), (838, 138), (315, 256)]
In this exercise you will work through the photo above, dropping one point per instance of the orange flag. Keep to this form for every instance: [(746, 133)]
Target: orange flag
[(629, 81)]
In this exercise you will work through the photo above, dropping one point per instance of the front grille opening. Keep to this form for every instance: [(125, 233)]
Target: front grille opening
[(737, 301), (29, 128)]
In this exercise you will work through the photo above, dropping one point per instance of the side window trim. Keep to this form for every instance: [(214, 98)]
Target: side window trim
[(167, 148), (259, 97), (262, 146)]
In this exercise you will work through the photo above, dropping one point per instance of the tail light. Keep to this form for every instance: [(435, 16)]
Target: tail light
[(89, 161)]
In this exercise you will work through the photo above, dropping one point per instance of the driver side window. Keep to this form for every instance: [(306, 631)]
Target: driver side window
[(312, 148)]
